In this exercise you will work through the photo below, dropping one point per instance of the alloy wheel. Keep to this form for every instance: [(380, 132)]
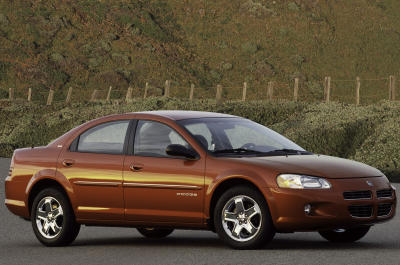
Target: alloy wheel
[(241, 218), (49, 217)]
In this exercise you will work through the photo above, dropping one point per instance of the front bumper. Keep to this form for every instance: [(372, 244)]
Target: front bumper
[(329, 208)]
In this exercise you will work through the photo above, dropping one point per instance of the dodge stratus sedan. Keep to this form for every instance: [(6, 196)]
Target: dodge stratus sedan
[(164, 170)]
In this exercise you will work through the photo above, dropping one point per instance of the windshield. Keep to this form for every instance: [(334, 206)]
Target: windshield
[(238, 136)]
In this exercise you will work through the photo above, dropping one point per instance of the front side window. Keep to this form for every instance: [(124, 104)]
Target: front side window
[(152, 139), (106, 138)]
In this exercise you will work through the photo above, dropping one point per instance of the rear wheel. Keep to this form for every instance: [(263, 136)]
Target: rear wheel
[(242, 219), (345, 235), (151, 232), (52, 218)]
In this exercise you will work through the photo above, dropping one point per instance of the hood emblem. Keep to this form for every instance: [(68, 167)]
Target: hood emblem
[(370, 183)]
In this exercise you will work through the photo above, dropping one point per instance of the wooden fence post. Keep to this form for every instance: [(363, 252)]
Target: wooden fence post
[(50, 97), (218, 95), (94, 95), (146, 90), (392, 87), (69, 95), (128, 97), (358, 91), (270, 91), (11, 93), (191, 92), (167, 87), (29, 94), (296, 89), (244, 91), (327, 89), (109, 94)]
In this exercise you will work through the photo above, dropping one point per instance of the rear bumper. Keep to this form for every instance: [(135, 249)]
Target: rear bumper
[(329, 209), (15, 199)]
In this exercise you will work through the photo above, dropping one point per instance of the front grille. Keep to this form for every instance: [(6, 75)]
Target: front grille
[(384, 209), (384, 193), (357, 195), (360, 210)]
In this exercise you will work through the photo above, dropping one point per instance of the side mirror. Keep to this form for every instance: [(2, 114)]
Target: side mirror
[(182, 151)]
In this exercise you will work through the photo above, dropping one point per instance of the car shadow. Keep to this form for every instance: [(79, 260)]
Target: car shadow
[(152, 242), (214, 242)]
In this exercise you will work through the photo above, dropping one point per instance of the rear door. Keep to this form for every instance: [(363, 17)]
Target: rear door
[(93, 164), (159, 188)]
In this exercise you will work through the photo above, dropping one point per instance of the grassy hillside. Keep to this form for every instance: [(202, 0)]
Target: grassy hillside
[(367, 134), (94, 44)]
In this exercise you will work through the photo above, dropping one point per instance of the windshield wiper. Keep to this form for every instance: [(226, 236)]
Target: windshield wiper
[(237, 151), (290, 151)]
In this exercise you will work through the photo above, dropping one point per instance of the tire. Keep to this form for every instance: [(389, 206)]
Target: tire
[(250, 228), (151, 232), (52, 217), (345, 235)]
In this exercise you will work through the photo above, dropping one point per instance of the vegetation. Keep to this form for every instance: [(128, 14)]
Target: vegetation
[(367, 133), (91, 44)]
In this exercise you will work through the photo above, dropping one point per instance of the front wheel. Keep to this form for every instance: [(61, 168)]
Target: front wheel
[(53, 220), (151, 232), (242, 219), (345, 235)]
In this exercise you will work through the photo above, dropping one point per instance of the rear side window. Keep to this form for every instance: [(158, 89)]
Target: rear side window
[(106, 138)]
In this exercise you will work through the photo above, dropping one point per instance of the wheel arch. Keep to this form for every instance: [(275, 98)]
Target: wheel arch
[(222, 187), (45, 179)]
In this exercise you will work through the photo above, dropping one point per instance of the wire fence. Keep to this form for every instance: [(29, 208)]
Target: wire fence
[(351, 91)]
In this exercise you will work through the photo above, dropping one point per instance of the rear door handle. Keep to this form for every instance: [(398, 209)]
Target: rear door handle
[(68, 162), (136, 167)]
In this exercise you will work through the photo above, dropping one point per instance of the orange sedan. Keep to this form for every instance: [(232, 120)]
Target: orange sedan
[(164, 170)]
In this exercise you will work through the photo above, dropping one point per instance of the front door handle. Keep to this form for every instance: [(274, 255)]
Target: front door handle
[(136, 167), (68, 162)]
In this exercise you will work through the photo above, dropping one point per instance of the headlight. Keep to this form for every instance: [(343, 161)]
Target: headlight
[(293, 181)]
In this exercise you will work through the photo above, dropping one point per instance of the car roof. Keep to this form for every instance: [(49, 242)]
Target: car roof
[(183, 114)]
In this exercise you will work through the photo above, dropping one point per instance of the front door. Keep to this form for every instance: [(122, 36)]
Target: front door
[(94, 168), (159, 188)]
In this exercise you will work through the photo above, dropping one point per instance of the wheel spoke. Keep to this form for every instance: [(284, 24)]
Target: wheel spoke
[(239, 205), (250, 228), (57, 212), (55, 227), (237, 228), (252, 211), (46, 227), (47, 204), (230, 217), (41, 215)]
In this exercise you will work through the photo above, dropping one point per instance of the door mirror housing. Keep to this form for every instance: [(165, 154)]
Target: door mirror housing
[(182, 151)]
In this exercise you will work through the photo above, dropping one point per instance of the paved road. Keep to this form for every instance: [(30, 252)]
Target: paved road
[(18, 245)]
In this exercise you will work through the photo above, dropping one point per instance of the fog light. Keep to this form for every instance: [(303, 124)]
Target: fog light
[(307, 209)]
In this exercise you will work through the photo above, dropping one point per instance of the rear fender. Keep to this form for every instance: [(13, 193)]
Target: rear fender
[(51, 174)]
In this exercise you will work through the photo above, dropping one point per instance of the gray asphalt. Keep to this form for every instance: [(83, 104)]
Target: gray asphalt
[(97, 245)]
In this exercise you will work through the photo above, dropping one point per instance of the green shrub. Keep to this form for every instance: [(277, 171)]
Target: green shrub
[(367, 134)]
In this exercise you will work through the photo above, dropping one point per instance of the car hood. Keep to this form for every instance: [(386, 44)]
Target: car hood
[(316, 165)]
